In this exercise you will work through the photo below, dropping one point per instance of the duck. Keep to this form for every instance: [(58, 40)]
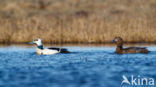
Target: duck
[(120, 50), (47, 51)]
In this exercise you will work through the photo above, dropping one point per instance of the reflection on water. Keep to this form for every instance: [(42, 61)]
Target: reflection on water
[(86, 66)]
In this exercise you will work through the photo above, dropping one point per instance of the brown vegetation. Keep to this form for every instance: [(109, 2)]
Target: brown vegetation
[(64, 21)]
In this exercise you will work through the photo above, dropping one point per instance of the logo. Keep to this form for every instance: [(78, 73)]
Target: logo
[(137, 80)]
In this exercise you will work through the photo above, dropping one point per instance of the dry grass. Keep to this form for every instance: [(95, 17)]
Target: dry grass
[(64, 21)]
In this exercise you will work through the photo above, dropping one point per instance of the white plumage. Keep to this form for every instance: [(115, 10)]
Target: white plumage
[(43, 51), (46, 51)]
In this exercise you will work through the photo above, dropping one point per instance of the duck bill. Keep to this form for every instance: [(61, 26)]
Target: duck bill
[(31, 42)]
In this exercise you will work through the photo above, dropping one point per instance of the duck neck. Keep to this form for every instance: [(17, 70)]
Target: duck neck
[(119, 46), (40, 46), (119, 49)]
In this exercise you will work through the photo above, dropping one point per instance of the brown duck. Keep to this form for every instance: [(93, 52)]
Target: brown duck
[(121, 50)]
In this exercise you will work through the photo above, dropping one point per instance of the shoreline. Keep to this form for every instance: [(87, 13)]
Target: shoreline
[(82, 44)]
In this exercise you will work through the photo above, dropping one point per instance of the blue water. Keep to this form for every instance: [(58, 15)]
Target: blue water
[(84, 67)]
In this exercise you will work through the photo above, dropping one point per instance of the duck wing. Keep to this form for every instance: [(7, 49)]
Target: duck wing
[(62, 50), (137, 49)]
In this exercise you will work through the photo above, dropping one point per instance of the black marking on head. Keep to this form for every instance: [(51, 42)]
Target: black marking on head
[(36, 40)]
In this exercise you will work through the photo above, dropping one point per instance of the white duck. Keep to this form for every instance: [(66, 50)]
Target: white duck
[(42, 51)]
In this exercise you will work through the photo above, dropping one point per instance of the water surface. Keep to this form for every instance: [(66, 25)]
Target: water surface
[(86, 66)]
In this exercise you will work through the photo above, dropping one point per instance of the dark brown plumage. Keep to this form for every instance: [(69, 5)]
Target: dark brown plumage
[(121, 50)]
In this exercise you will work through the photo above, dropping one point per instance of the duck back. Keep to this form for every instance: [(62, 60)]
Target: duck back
[(62, 50), (134, 50)]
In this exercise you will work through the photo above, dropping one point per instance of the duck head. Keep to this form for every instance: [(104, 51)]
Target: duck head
[(118, 41), (38, 42)]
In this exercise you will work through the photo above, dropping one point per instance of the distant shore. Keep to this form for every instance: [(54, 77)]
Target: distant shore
[(79, 44), (68, 21)]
